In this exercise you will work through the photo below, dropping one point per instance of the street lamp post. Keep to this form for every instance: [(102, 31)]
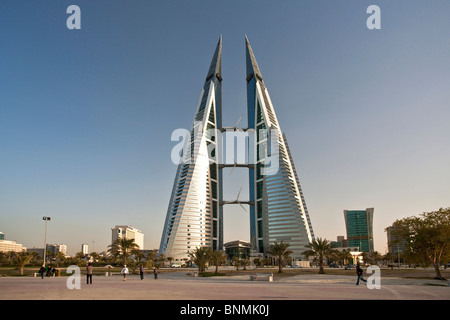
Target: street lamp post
[(45, 236)]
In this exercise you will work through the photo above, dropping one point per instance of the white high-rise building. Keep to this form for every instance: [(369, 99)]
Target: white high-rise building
[(194, 216), (84, 248), (278, 209), (128, 232)]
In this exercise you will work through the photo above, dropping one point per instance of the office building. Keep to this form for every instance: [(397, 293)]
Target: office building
[(396, 245), (9, 245), (56, 248), (128, 232), (278, 209), (194, 215), (237, 249), (279, 212), (359, 225)]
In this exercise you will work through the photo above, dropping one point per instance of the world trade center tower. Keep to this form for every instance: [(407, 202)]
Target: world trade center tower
[(278, 210), (194, 216)]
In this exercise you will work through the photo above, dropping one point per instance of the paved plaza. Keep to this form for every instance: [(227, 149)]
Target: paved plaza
[(180, 286)]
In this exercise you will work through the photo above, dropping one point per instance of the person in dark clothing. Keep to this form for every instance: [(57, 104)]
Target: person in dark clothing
[(359, 272), (89, 270), (42, 271), (155, 273), (49, 271), (141, 272)]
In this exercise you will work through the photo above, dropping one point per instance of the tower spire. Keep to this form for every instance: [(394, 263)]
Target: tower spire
[(215, 68), (252, 65)]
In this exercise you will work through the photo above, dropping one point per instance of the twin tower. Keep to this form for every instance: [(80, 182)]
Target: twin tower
[(277, 207)]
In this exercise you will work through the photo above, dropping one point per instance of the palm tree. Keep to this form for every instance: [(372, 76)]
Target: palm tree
[(200, 257), (123, 246), (344, 256), (151, 257), (281, 251), (217, 258), (319, 248), (138, 255), (376, 256), (162, 259)]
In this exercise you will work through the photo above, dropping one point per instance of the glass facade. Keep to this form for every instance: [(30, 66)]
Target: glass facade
[(280, 212), (278, 209), (359, 224), (194, 216)]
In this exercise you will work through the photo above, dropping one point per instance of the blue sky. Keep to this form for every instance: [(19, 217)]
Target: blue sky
[(86, 115)]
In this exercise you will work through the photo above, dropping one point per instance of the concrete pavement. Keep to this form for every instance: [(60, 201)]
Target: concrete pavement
[(179, 286)]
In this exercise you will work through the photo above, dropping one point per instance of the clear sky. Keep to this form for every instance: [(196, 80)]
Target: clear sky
[(86, 115)]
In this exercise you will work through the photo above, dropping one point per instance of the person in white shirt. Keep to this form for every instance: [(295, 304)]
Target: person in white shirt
[(124, 272)]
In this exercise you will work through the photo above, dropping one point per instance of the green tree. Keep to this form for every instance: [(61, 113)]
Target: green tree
[(343, 256), (237, 262), (200, 256), (150, 259), (162, 259), (319, 248), (217, 258), (21, 259), (59, 258), (124, 247), (427, 236), (281, 251)]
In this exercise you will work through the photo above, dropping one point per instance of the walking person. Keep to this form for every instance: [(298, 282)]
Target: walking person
[(124, 272), (359, 272), (42, 271), (155, 272), (141, 272), (89, 270)]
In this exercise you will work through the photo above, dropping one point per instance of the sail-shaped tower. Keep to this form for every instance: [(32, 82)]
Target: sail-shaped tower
[(279, 212), (194, 217), (278, 209)]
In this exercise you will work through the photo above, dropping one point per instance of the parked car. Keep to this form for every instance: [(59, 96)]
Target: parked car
[(349, 266), (175, 265)]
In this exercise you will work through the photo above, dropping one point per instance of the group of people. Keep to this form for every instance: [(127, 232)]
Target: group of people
[(48, 271), (125, 271)]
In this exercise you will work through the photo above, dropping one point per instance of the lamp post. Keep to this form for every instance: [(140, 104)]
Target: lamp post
[(45, 237)]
